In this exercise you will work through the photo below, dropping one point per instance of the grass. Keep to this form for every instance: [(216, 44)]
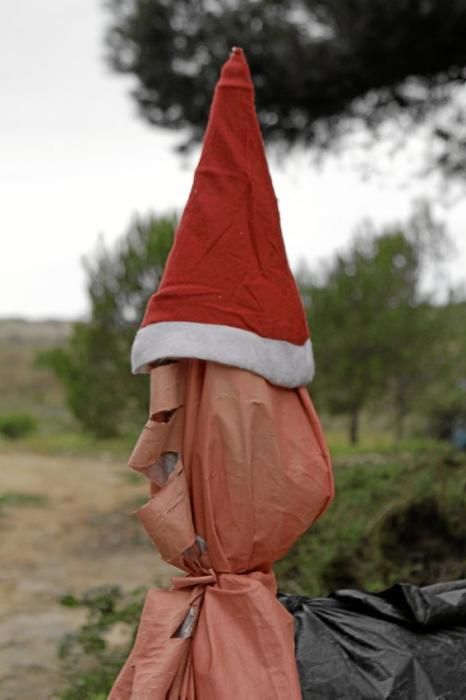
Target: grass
[(382, 445), (10, 499), (379, 449), (68, 443)]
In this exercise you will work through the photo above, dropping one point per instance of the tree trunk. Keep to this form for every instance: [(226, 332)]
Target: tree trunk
[(354, 427)]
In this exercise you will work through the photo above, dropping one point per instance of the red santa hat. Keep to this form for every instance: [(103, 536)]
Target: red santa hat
[(227, 293)]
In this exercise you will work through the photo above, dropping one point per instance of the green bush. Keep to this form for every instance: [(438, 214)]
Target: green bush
[(17, 425), (91, 663), (396, 519)]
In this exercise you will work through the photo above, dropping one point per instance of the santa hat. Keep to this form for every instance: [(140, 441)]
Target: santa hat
[(227, 293)]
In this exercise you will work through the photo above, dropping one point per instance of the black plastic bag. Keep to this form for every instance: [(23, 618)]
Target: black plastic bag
[(405, 643)]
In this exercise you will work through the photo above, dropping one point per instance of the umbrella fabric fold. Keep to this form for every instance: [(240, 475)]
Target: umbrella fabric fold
[(239, 470)]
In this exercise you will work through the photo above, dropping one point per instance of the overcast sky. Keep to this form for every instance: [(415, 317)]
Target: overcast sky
[(76, 162)]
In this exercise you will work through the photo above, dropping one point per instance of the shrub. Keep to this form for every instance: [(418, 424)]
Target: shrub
[(14, 499), (92, 662), (17, 425)]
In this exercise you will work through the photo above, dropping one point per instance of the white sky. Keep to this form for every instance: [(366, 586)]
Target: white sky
[(76, 161)]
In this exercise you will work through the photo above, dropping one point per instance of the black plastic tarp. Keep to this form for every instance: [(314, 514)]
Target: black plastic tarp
[(405, 643)]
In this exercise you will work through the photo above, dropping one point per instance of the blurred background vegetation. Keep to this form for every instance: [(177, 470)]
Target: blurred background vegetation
[(390, 347), (390, 387), (388, 326)]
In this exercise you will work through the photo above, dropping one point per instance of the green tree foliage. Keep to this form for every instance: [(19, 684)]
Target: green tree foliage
[(444, 400), (101, 392), (321, 67), (377, 335)]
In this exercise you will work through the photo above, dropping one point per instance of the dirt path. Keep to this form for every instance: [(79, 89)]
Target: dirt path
[(81, 536)]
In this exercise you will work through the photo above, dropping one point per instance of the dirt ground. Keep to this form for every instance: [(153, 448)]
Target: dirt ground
[(83, 535)]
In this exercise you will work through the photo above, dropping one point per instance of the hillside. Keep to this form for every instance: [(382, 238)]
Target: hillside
[(25, 387)]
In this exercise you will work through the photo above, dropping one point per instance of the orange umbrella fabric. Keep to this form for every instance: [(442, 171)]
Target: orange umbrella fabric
[(239, 469)]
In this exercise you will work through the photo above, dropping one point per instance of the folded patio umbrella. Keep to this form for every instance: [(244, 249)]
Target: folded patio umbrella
[(233, 449), (238, 472)]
